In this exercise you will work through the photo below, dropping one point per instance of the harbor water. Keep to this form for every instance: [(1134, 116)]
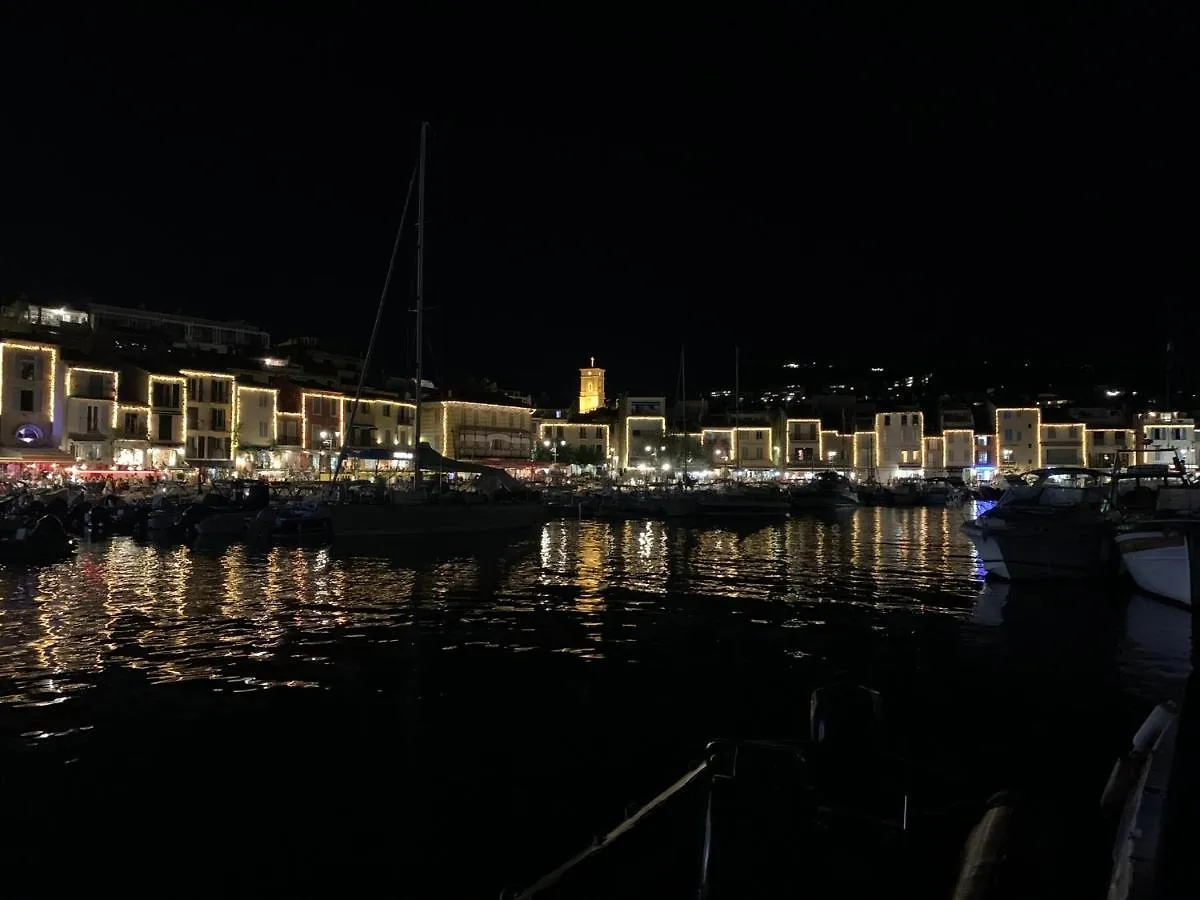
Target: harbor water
[(450, 720)]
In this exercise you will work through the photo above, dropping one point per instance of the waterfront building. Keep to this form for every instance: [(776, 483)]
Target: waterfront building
[(92, 414), (899, 444), (863, 449), (752, 447), (31, 405), (130, 441), (958, 450), (1111, 446), (587, 441), (716, 447), (643, 440), (837, 449), (1018, 438), (1166, 436), (803, 443), (256, 426), (935, 454), (498, 432), (166, 423), (1063, 443), (209, 398)]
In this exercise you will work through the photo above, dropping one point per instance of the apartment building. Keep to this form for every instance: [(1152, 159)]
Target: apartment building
[(209, 428), (31, 404), (480, 431), (92, 414), (803, 443), (899, 444), (1063, 443), (1018, 438), (1166, 436), (1107, 447)]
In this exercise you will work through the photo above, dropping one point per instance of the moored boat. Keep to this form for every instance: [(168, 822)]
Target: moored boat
[(826, 490), (1053, 524)]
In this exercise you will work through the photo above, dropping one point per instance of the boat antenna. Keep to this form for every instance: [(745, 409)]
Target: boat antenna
[(387, 282), (420, 310)]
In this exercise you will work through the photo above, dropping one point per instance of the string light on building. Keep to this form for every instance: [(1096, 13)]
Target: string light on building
[(36, 348)]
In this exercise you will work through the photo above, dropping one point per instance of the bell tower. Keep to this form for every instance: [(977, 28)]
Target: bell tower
[(591, 387)]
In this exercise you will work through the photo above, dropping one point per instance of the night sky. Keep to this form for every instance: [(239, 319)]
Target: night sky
[(866, 186)]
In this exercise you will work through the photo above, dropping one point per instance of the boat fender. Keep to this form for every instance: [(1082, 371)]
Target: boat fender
[(1126, 769)]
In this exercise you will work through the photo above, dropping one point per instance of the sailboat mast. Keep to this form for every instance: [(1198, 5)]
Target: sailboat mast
[(420, 324), (687, 445)]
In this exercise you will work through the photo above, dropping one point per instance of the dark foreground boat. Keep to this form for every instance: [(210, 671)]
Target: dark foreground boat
[(832, 815)]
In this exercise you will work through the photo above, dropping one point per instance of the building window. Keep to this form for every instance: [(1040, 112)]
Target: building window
[(218, 420), (1073, 433), (887, 421), (758, 436), (166, 426), (903, 421), (131, 423), (1052, 433), (1008, 434), (28, 368), (1098, 439), (195, 388), (387, 410), (93, 419), (1008, 414), (262, 429), (220, 391), (193, 418), (263, 400), (26, 401)]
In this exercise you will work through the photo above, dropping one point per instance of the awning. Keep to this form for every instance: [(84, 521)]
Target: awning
[(30, 455)]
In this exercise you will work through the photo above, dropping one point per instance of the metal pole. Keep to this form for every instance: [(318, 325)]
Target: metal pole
[(420, 324)]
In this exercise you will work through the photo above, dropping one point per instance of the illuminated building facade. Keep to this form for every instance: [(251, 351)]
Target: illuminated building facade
[(717, 447), (1018, 438), (31, 394), (1166, 435), (837, 450), (899, 444), (1109, 446), (958, 449), (210, 414), (935, 454), (166, 422), (591, 388), (803, 443), (131, 449), (92, 417), (1063, 443), (594, 439), (462, 429), (256, 426)]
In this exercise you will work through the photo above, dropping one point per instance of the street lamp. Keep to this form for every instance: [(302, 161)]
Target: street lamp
[(554, 446)]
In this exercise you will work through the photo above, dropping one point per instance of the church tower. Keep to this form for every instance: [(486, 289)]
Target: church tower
[(591, 388)]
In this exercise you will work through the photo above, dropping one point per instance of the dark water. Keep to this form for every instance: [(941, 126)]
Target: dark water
[(448, 721)]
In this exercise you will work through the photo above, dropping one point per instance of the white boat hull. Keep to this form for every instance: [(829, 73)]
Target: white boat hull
[(1157, 562), (1036, 551)]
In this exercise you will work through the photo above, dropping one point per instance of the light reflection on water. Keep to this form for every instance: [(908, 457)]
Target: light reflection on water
[(178, 615), (539, 685)]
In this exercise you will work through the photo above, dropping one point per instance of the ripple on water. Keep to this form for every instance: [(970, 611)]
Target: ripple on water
[(580, 587)]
